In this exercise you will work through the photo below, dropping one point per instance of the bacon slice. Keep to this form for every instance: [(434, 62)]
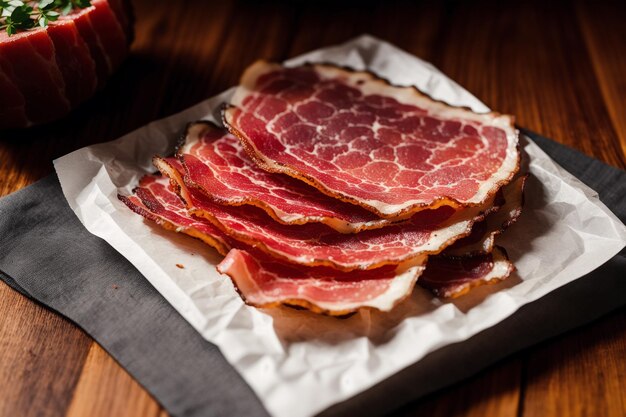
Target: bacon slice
[(266, 282), (482, 238), (354, 136), (427, 232), (453, 276), (217, 165)]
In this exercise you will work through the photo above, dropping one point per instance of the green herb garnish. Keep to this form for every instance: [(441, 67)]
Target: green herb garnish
[(18, 15)]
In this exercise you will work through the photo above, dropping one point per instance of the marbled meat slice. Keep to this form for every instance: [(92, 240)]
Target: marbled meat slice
[(266, 282), (270, 283), (483, 236), (354, 136), (168, 211), (452, 276), (217, 165), (314, 244)]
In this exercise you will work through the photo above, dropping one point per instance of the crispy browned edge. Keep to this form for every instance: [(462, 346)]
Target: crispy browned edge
[(209, 240), (464, 289), (491, 235), (300, 303), (223, 250), (288, 170), (317, 262), (259, 203), (308, 305)]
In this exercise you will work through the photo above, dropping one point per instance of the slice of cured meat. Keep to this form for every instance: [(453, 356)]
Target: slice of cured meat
[(269, 283), (168, 211), (452, 276), (427, 232), (266, 282), (356, 137), (482, 238), (217, 165)]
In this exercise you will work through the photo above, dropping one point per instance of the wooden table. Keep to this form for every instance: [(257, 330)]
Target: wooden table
[(560, 68)]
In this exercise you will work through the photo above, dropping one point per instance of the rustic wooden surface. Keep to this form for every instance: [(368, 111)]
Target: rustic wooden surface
[(559, 67)]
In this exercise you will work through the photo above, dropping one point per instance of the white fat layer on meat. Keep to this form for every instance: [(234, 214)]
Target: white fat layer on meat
[(455, 227), (194, 134), (399, 288), (502, 268), (497, 222)]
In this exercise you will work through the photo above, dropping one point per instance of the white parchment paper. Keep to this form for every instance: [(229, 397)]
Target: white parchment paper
[(299, 363)]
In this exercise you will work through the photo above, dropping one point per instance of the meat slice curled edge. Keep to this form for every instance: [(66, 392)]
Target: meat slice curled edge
[(392, 150), (453, 276), (263, 281), (427, 232), (217, 165)]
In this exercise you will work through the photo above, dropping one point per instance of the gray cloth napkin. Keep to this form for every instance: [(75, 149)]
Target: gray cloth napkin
[(46, 254)]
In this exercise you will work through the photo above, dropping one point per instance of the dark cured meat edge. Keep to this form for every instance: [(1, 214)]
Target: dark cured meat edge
[(213, 242), (223, 248), (260, 203), (240, 236), (288, 170), (466, 288), (491, 235)]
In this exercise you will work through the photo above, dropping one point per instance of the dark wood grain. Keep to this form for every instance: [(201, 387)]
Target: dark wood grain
[(558, 66), (494, 392), (602, 26), (580, 374), (37, 350)]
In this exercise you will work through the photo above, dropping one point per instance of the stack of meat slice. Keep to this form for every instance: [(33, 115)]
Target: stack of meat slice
[(332, 190)]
